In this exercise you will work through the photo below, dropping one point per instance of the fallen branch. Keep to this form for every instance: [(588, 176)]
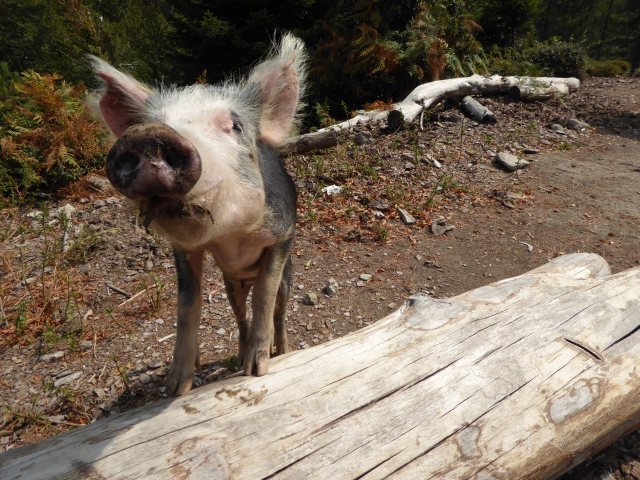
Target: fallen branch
[(133, 297), (474, 109), (430, 94), (111, 286)]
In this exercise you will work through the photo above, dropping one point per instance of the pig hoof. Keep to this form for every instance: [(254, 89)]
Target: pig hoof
[(178, 383), (256, 361)]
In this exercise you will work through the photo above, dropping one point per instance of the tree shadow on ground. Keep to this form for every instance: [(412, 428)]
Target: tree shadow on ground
[(623, 124)]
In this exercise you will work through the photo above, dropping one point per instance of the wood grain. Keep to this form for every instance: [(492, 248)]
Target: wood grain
[(524, 378)]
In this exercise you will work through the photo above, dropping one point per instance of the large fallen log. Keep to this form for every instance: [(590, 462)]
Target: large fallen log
[(523, 378), (429, 94)]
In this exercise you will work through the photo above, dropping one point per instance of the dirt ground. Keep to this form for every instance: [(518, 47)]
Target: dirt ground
[(73, 349)]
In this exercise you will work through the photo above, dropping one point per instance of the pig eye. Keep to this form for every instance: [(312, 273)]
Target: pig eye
[(237, 126)]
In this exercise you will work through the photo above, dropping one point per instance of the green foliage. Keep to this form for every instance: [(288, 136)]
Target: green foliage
[(608, 68), (510, 61), (47, 36), (505, 22), (48, 138), (558, 58)]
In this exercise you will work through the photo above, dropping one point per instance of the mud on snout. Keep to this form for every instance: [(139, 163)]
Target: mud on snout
[(153, 162)]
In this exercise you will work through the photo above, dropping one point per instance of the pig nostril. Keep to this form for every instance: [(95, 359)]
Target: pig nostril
[(128, 164), (175, 159)]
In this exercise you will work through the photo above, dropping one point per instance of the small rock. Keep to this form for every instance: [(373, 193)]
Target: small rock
[(84, 268), (159, 321), (221, 331), (331, 287), (98, 183), (379, 205), (309, 299), (86, 345), (99, 392), (409, 166), (557, 128), (378, 214), (405, 216), (365, 276), (510, 162), (67, 379), (99, 204), (360, 283), (112, 201), (66, 210), (144, 378), (530, 151), (440, 226), (406, 157), (575, 124), (49, 357), (155, 364), (362, 138)]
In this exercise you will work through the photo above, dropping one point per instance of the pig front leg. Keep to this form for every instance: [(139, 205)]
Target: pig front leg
[(185, 356), (265, 292)]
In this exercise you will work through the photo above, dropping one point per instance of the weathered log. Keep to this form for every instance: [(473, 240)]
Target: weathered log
[(430, 94), (523, 378), (476, 110), (309, 142)]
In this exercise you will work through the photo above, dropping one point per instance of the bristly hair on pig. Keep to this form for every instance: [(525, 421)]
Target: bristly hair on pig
[(245, 96)]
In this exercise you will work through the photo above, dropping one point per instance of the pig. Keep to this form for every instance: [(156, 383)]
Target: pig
[(201, 164)]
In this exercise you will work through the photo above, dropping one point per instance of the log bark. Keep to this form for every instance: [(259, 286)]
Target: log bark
[(430, 94), (521, 379)]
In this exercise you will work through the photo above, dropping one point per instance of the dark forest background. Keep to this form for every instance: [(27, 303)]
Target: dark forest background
[(362, 53)]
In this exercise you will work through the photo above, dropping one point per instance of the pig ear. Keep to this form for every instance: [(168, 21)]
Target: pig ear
[(280, 80), (122, 99)]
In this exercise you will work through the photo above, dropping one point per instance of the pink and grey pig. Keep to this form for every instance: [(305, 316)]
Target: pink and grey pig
[(200, 162)]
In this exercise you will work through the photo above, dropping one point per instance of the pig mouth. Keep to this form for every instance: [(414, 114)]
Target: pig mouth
[(170, 208)]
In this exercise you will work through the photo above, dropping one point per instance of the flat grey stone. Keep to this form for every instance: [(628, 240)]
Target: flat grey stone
[(405, 216), (510, 162)]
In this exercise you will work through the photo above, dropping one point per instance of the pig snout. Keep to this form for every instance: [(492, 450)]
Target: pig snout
[(153, 160)]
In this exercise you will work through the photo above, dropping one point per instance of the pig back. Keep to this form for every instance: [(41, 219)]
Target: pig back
[(280, 191)]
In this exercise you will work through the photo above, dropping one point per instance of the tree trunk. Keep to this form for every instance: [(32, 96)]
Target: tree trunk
[(521, 379)]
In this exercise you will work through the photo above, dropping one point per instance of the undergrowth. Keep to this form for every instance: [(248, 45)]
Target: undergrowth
[(48, 137)]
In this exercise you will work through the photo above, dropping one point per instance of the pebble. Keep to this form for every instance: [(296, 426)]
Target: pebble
[(557, 128), (331, 287), (49, 357), (221, 331), (309, 299), (144, 378), (67, 210), (440, 226), (379, 205), (67, 379), (575, 124), (405, 216), (510, 162), (84, 268), (409, 166), (365, 276), (362, 138)]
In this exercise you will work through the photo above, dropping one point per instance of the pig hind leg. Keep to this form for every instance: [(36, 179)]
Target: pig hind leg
[(237, 292), (265, 292), (186, 355), (279, 314)]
